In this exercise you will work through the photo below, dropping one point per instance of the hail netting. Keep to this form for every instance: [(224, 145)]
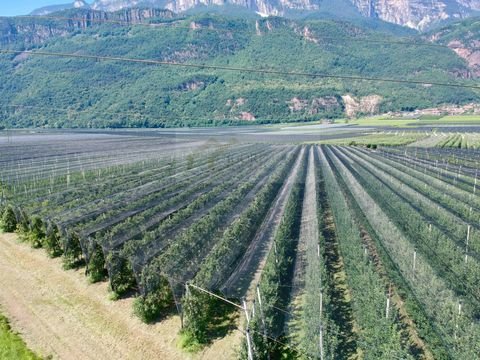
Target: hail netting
[(197, 200), (179, 251), (94, 228)]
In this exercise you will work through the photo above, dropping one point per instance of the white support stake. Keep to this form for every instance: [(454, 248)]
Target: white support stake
[(387, 311), (466, 244), (246, 312), (414, 260), (261, 312), (249, 345), (321, 342), (321, 305)]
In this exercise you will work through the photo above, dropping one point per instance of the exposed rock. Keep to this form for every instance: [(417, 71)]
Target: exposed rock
[(417, 14), (367, 105), (297, 104), (248, 116), (192, 86), (39, 30), (313, 106), (470, 53)]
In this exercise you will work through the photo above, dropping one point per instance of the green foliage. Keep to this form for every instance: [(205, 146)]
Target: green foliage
[(72, 257), (96, 266), (122, 279), (150, 307), (197, 310), (9, 220), (92, 93), (12, 346), (52, 242), (278, 271), (37, 232)]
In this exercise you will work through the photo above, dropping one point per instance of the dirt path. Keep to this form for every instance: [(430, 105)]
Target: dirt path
[(58, 313)]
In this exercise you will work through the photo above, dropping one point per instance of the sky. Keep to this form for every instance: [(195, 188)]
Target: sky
[(23, 7)]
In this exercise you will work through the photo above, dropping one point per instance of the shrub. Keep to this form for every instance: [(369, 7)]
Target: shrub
[(9, 220)]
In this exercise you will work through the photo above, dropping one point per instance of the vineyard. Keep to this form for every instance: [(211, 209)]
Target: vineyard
[(311, 251)]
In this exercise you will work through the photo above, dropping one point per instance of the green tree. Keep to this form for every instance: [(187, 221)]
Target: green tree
[(9, 220)]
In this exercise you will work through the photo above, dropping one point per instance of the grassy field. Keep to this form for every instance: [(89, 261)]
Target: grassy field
[(381, 139), (11, 345), (383, 120)]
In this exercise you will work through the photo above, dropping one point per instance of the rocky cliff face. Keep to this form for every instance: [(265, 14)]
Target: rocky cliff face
[(264, 7), (417, 14), (36, 31), (464, 39)]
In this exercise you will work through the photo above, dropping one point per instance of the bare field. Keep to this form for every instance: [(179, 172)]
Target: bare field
[(59, 313)]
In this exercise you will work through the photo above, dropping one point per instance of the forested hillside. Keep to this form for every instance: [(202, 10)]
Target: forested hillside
[(67, 92)]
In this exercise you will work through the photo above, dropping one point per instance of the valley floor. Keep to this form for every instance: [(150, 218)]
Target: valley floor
[(59, 313)]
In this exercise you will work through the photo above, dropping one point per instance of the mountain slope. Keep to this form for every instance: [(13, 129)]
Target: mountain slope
[(59, 92), (417, 14), (463, 38)]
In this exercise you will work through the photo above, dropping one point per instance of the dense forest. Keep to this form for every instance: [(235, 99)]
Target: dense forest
[(45, 91)]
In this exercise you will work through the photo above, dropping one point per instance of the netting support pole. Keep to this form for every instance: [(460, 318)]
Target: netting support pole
[(414, 260), (466, 243), (320, 335), (387, 310), (264, 326), (246, 311), (321, 341), (249, 345), (187, 294)]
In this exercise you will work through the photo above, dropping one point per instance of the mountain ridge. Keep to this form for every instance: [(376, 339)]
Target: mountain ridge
[(416, 14), (67, 92)]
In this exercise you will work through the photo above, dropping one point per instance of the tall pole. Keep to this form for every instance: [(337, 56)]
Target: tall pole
[(466, 244), (414, 259), (387, 310), (321, 326), (321, 341), (247, 316), (249, 345)]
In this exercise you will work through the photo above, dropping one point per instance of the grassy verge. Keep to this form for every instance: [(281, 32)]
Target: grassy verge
[(12, 346), (387, 139), (385, 120)]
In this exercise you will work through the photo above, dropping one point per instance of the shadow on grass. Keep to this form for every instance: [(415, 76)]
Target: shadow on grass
[(224, 319)]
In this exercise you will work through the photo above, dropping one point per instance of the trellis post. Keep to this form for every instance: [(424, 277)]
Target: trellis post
[(466, 243), (249, 345)]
